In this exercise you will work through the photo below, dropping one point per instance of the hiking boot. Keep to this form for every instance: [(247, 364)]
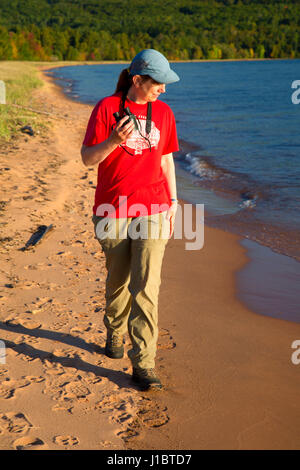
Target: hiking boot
[(114, 345), (146, 379)]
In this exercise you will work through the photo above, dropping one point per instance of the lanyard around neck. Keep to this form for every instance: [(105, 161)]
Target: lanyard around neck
[(149, 112)]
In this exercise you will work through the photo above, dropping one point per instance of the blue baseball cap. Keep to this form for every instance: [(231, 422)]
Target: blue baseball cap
[(153, 63)]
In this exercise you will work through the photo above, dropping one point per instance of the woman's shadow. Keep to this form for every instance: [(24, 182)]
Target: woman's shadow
[(118, 377)]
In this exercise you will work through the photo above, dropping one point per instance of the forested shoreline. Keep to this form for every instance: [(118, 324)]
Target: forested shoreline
[(54, 30)]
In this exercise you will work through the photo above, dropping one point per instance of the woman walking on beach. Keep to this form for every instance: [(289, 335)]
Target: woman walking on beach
[(131, 135)]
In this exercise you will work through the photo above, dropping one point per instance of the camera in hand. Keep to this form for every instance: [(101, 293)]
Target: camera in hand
[(131, 117)]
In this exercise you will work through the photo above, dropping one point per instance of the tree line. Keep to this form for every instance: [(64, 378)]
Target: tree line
[(117, 30)]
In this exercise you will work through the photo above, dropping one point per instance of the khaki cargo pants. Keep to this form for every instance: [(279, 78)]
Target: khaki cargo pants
[(134, 249)]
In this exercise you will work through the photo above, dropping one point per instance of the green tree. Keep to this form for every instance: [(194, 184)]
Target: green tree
[(72, 53), (197, 53), (6, 51), (180, 28), (261, 51)]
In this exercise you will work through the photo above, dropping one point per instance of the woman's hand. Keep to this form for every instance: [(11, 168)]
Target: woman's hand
[(98, 153), (171, 216), (119, 133)]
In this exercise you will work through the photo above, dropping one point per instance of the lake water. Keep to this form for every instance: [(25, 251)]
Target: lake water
[(239, 142)]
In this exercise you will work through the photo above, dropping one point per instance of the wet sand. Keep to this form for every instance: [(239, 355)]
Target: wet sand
[(229, 379)]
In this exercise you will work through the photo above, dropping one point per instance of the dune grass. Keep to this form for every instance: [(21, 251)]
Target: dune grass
[(21, 79)]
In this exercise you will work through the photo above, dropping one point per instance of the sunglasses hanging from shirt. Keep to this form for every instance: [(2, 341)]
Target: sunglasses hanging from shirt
[(137, 124)]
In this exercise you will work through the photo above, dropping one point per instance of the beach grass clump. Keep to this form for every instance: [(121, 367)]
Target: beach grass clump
[(21, 79)]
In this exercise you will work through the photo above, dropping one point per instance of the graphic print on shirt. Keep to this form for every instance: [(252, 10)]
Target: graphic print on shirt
[(137, 143)]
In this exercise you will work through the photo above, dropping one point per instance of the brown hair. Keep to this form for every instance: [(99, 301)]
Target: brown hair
[(125, 81)]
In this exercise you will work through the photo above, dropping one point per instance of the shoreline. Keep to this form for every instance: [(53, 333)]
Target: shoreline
[(67, 63), (239, 193), (229, 379)]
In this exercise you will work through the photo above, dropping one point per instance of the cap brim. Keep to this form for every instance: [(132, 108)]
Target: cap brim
[(169, 77)]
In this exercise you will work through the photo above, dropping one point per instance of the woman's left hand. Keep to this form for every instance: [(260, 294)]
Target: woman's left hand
[(171, 216)]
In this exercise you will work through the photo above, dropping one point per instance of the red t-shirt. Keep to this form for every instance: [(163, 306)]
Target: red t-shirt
[(125, 179)]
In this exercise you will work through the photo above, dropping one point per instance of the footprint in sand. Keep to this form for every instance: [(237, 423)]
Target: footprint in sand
[(53, 368), (6, 392), (106, 444), (80, 315), (78, 243), (12, 321), (70, 353), (82, 327), (30, 266), (37, 266), (35, 379), (54, 389), (109, 445), (29, 443), (134, 430), (41, 305), (75, 391), (120, 408), (65, 388), (8, 387), (50, 286), (152, 414), (33, 357), (149, 414), (57, 326), (14, 423), (29, 323), (63, 407), (91, 379), (26, 284), (165, 340), (65, 243), (3, 372), (26, 339), (66, 441)]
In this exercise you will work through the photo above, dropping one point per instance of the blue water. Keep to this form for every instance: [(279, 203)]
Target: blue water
[(244, 161)]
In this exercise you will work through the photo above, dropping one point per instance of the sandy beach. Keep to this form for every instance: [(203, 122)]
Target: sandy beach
[(229, 379)]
